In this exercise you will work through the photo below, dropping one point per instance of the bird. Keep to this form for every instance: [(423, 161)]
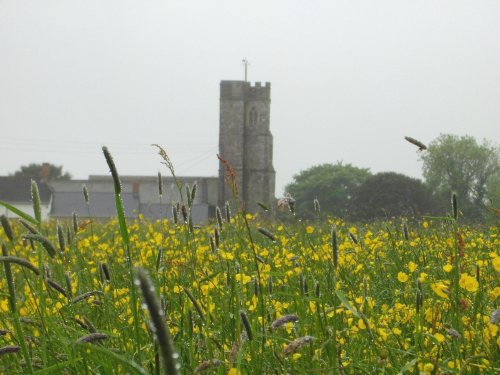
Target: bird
[(420, 145)]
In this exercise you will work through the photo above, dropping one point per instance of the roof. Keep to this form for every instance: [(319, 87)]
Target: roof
[(102, 204), (18, 189)]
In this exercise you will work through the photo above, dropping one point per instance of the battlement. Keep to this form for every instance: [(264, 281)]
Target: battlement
[(243, 90)]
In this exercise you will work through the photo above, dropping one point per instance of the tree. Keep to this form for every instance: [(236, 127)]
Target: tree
[(46, 172), (390, 194), (332, 184), (461, 165)]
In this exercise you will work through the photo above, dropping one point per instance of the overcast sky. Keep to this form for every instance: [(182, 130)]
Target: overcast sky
[(349, 80)]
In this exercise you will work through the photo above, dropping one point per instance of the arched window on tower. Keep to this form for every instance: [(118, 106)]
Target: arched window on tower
[(253, 117)]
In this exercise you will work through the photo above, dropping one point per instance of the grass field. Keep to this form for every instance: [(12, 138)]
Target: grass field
[(243, 295)]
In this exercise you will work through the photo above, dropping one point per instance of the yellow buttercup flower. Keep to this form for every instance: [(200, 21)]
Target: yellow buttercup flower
[(402, 277), (440, 289), (439, 337), (468, 282), (447, 267), (411, 266), (496, 264)]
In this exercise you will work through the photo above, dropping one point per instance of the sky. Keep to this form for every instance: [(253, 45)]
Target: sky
[(349, 79)]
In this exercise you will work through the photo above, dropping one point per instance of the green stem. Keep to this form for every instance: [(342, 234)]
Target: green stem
[(12, 302)]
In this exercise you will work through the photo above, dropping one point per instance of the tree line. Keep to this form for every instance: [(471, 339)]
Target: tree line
[(451, 163)]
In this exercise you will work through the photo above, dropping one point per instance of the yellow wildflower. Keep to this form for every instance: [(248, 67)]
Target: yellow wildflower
[(468, 282), (4, 305), (402, 277), (439, 337), (440, 288), (411, 266), (447, 267), (496, 264)]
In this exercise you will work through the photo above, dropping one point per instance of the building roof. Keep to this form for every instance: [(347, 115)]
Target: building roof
[(102, 204), (18, 189)]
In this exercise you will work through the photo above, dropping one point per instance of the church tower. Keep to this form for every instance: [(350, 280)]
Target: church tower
[(246, 142)]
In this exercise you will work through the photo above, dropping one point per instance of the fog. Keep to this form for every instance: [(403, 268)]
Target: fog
[(349, 80)]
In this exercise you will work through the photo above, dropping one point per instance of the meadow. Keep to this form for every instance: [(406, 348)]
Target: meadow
[(248, 294)]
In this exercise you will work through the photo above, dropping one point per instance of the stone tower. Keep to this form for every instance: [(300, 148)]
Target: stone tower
[(245, 140)]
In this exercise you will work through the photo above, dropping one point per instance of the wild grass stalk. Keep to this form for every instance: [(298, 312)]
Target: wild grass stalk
[(126, 242), (13, 309), (160, 329)]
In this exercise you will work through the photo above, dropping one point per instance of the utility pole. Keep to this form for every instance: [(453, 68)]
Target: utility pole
[(245, 63)]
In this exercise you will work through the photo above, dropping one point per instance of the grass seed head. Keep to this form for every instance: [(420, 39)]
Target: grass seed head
[(335, 246), (21, 262), (188, 195), (67, 279), (194, 189), (75, 222), (160, 185), (105, 270), (112, 169), (47, 245), (266, 233), (290, 318), (54, 285), (317, 290), (417, 143), (85, 193), (353, 237), (175, 214), (195, 304), (495, 316), (69, 237), (6, 227), (207, 365), (295, 345), (228, 212), (86, 295), (454, 205), (184, 212), (263, 206), (9, 349), (28, 226), (60, 238), (406, 232), (91, 338), (216, 237), (213, 248), (218, 217), (37, 204), (317, 207), (157, 315), (246, 324)]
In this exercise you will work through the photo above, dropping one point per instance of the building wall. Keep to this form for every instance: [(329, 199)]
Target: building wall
[(140, 195)]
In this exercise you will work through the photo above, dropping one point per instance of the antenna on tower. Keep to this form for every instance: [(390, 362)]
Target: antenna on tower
[(246, 64)]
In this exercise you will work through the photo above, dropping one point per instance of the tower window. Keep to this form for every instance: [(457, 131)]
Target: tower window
[(253, 116)]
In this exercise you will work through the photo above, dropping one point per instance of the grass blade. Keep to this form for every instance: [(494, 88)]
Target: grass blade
[(19, 213)]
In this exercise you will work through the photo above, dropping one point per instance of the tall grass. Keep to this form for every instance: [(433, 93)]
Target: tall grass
[(244, 295)]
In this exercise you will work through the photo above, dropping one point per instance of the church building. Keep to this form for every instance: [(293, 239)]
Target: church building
[(245, 143)]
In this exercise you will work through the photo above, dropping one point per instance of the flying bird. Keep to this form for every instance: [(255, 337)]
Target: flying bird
[(420, 145)]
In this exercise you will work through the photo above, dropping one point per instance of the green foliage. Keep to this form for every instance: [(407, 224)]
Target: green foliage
[(333, 186), (461, 165), (391, 194), (36, 171)]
